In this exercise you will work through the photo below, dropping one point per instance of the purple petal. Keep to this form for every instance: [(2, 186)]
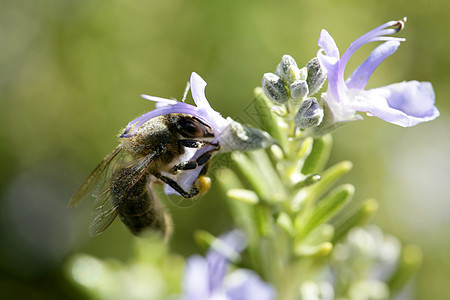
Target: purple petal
[(198, 86), (196, 279), (203, 109), (226, 247), (213, 118), (336, 85), (413, 97), (246, 285), (206, 279), (331, 63), (185, 180), (341, 111), (360, 76), (376, 34), (179, 107), (234, 240), (405, 104), (217, 268), (327, 43)]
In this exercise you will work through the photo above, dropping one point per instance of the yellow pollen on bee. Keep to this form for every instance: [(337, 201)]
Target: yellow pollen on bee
[(203, 184)]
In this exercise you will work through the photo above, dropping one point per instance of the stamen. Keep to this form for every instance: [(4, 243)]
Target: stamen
[(400, 24), (159, 99), (186, 91)]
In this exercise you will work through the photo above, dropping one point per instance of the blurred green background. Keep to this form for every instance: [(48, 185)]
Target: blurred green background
[(71, 76)]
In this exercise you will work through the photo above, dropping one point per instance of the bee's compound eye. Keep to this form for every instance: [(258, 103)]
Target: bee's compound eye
[(203, 183), (193, 128), (189, 128)]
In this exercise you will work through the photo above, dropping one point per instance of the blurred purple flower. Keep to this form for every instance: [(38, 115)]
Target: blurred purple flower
[(405, 103), (230, 135), (205, 278)]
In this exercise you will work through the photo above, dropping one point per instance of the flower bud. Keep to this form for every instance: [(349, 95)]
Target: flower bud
[(288, 70), (299, 89), (309, 114), (316, 76), (274, 88)]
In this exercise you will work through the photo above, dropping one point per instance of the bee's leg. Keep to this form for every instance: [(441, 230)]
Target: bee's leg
[(193, 164), (186, 165), (198, 144), (204, 158), (173, 184), (204, 170)]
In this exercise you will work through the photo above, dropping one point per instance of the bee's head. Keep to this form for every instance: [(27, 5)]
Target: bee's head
[(191, 127)]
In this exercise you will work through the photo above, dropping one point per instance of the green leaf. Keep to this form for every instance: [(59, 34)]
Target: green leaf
[(318, 158), (410, 261), (243, 195), (317, 250), (228, 180), (285, 222), (303, 150), (254, 176), (309, 180), (320, 235), (240, 211), (326, 208), (268, 173), (203, 239), (328, 178), (357, 217), (263, 220)]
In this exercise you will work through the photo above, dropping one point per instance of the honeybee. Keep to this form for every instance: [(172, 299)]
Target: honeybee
[(122, 183)]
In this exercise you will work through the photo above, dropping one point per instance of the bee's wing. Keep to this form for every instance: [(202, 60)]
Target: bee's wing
[(104, 209), (102, 217), (102, 171)]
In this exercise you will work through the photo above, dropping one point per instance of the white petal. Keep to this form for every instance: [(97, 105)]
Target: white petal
[(198, 86)]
